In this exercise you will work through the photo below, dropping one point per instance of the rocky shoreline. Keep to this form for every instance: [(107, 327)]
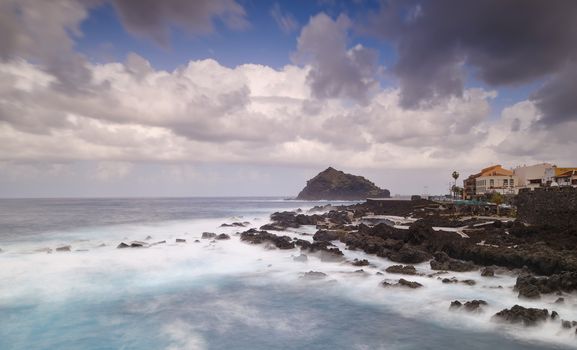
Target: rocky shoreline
[(543, 258)]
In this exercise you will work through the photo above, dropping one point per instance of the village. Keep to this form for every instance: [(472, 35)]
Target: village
[(496, 179)]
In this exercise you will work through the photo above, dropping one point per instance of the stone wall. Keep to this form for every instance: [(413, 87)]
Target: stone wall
[(554, 206)]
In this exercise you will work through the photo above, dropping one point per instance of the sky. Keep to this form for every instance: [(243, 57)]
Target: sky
[(145, 98)]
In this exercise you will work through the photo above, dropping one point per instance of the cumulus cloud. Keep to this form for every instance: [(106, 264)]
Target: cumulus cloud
[(327, 109), (505, 43), (337, 71), (44, 31), (207, 112)]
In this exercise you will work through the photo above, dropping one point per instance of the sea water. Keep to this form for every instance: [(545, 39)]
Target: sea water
[(225, 294)]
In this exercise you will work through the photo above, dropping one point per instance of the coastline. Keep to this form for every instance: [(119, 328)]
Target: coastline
[(170, 274)]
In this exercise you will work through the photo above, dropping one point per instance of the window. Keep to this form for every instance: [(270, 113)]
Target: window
[(491, 183), (505, 183), (512, 183)]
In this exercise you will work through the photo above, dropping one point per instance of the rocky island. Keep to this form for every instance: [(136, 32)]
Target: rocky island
[(332, 184)]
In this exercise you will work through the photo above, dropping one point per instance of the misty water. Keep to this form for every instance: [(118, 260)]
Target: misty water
[(224, 294)]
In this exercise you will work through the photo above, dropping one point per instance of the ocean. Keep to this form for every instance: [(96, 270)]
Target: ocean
[(224, 294)]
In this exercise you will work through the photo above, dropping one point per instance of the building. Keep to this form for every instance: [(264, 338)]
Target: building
[(497, 179), (491, 179), (470, 186), (531, 176), (556, 176)]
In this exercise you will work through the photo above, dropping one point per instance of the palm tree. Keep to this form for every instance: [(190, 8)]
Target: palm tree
[(455, 176)]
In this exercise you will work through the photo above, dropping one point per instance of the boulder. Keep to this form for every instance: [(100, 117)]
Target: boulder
[(363, 262), (530, 286), (519, 314), (408, 255), (326, 235), (258, 237), (236, 224), (455, 305), (180, 240), (471, 306), (402, 283), (222, 236), (325, 250), (442, 261), (402, 269), (65, 248), (133, 244), (474, 305), (487, 272), (208, 235)]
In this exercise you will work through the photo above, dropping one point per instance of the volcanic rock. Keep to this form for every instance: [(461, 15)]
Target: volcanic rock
[(443, 262), (208, 235), (408, 255), (258, 237), (471, 306), (363, 262), (326, 235), (236, 224), (403, 283), (402, 269), (519, 314)]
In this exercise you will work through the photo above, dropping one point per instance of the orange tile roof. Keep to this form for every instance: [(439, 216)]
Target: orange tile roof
[(495, 170), (560, 171), (567, 173)]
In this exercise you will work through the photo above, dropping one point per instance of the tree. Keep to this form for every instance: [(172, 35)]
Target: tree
[(457, 191), (455, 176), (497, 198)]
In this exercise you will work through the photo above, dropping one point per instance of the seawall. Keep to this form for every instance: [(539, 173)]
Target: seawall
[(554, 206)]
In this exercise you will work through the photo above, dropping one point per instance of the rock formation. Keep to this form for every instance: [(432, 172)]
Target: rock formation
[(333, 184)]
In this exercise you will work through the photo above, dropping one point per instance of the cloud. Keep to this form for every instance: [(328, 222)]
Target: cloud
[(327, 109), (336, 70), (210, 113), (285, 21), (556, 99), (505, 43), (153, 19), (44, 31)]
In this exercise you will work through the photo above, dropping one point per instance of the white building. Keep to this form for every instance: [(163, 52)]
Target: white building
[(496, 179), (532, 176), (556, 176)]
